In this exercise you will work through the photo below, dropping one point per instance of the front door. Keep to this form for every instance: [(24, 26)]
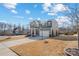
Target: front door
[(37, 32)]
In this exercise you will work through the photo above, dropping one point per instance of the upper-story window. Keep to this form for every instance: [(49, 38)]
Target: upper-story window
[(49, 23), (34, 24)]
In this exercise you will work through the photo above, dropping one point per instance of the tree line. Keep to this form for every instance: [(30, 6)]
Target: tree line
[(9, 29)]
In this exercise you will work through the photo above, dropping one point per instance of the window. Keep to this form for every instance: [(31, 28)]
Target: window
[(49, 23)]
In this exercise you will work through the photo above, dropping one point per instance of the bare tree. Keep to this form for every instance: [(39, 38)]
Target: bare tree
[(14, 29), (73, 14)]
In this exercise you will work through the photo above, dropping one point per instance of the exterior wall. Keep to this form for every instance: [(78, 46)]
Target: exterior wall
[(53, 31), (34, 31), (55, 28)]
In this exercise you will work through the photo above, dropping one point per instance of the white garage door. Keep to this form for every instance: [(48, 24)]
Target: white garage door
[(44, 33)]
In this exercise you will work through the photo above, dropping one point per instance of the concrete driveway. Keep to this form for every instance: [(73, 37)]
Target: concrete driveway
[(38, 38), (17, 42), (4, 46), (5, 51)]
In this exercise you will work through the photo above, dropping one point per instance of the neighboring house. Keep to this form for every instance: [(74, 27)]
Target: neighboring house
[(44, 28)]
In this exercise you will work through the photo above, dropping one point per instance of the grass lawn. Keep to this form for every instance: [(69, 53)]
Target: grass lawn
[(55, 46), (9, 38)]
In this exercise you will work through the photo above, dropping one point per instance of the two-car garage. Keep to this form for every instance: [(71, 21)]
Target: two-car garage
[(44, 33)]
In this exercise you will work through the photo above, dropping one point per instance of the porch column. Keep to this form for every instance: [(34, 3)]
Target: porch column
[(51, 32), (34, 32), (38, 32), (31, 32)]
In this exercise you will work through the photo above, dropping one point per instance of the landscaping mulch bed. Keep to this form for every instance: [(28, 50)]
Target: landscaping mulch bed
[(72, 52), (49, 47)]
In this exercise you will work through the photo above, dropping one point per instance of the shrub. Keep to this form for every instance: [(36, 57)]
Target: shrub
[(75, 32), (66, 33), (45, 41), (69, 33)]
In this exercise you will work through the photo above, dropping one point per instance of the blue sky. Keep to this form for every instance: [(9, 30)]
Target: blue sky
[(23, 13)]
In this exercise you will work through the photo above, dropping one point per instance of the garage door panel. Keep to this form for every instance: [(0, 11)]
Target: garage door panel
[(44, 33)]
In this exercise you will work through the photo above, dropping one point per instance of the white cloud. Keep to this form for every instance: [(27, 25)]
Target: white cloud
[(27, 11), (11, 6), (38, 18), (21, 17), (3, 21), (14, 11), (52, 13), (59, 8), (46, 6), (53, 9), (30, 18), (62, 19)]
